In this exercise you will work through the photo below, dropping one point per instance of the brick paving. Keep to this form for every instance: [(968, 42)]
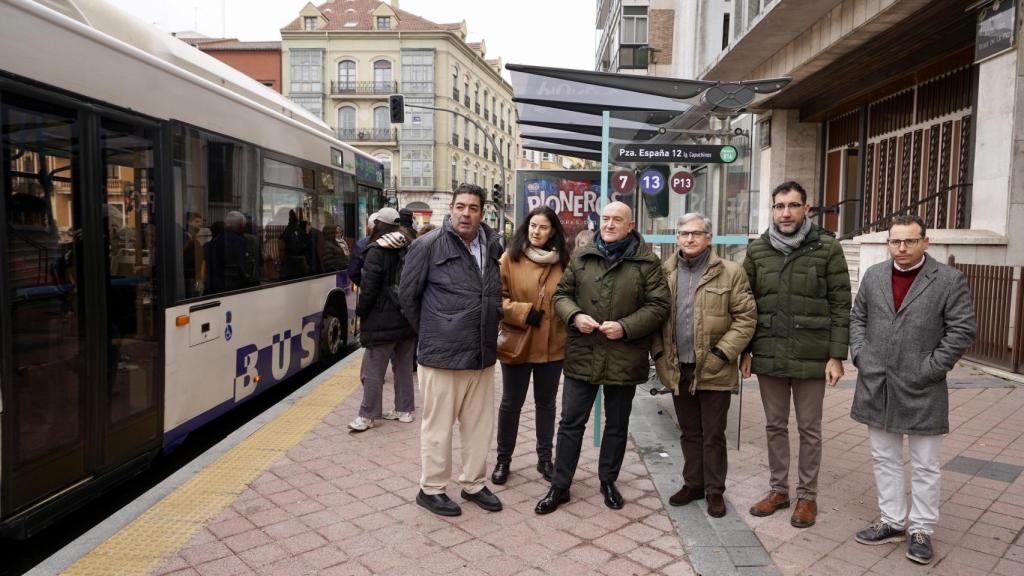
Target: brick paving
[(342, 503), (981, 525)]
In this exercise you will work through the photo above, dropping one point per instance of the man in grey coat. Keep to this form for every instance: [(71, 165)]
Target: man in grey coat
[(912, 320)]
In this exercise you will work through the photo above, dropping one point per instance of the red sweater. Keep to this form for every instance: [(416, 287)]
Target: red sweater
[(901, 282)]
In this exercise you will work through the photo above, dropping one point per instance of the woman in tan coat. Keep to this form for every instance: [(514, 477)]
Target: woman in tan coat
[(531, 339)]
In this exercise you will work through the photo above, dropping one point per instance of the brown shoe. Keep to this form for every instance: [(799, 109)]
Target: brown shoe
[(716, 505), (805, 513), (770, 503), (685, 496)]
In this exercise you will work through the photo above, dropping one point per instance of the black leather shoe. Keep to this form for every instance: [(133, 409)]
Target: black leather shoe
[(546, 469), (555, 498), (500, 474), (612, 498), (439, 504), (484, 499)]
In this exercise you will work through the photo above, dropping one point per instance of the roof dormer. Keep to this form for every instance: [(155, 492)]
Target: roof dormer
[(311, 18), (384, 17)]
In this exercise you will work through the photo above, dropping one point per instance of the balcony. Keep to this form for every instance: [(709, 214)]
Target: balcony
[(368, 134), (367, 88)]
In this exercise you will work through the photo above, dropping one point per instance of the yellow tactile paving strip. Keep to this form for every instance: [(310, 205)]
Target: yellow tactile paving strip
[(143, 545)]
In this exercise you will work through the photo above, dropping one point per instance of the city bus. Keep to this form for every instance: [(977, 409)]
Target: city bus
[(162, 254)]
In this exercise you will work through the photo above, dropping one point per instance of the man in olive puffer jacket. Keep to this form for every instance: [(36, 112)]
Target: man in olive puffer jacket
[(799, 278), (614, 298)]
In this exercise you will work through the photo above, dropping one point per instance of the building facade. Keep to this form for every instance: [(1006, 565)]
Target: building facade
[(342, 59), (260, 61), (893, 106)]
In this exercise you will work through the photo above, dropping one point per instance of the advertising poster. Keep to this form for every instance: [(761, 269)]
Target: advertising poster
[(573, 195)]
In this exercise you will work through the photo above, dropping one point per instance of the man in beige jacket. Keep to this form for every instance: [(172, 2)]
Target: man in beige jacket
[(713, 319)]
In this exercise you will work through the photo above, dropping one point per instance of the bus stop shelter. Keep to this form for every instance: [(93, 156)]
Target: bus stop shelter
[(650, 135)]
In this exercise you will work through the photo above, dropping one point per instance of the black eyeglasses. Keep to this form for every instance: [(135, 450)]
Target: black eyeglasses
[(792, 206), (908, 242)]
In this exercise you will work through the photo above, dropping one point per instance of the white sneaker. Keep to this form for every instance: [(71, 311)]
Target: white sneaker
[(360, 424), (404, 417)]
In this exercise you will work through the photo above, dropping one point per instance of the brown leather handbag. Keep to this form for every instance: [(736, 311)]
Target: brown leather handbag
[(513, 340)]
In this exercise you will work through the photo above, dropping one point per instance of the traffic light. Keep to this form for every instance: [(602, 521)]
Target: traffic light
[(397, 104)]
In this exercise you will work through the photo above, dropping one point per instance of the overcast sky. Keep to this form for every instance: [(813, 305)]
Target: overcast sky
[(564, 36)]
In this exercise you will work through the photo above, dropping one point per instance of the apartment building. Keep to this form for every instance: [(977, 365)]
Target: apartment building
[(341, 61)]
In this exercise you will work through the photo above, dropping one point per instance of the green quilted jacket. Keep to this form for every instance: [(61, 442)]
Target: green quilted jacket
[(803, 305), (632, 292)]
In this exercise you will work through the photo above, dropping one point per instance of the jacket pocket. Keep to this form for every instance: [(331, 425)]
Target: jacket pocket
[(716, 300), (812, 323)]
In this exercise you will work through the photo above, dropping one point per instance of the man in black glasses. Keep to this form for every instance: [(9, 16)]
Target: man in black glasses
[(901, 380), (799, 278)]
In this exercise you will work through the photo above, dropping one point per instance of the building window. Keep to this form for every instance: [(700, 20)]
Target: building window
[(455, 173), (381, 119), (417, 166), (634, 25), (417, 72), (383, 23), (306, 71), (315, 104), (346, 76), (347, 119), (633, 57), (419, 122), (382, 77), (725, 31), (455, 83), (309, 23)]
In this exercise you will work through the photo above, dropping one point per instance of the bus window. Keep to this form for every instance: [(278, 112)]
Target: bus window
[(215, 183), (289, 238)]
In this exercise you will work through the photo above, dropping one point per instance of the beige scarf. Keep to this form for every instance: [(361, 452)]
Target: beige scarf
[(540, 256)]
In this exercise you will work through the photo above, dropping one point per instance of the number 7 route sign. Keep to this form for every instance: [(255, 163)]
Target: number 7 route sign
[(624, 182)]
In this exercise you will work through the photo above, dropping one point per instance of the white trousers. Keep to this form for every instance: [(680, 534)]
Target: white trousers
[(887, 452)]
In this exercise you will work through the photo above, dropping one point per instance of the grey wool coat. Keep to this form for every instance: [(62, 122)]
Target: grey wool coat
[(902, 357)]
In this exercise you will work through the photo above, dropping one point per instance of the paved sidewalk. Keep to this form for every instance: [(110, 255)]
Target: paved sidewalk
[(342, 503), (981, 527)]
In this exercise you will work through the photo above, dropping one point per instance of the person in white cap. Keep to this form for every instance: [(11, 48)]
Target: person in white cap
[(384, 332)]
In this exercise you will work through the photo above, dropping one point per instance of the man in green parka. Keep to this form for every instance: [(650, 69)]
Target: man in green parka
[(613, 297), (799, 278)]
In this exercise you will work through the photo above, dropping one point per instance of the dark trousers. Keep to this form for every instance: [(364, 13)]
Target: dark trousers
[(702, 419), (577, 400), (515, 382)]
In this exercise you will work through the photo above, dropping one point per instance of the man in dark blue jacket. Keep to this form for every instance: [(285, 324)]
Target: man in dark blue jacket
[(451, 294)]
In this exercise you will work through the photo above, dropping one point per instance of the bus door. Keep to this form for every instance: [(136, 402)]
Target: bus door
[(78, 311)]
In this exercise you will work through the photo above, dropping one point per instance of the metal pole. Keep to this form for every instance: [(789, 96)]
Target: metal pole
[(501, 161), (605, 122)]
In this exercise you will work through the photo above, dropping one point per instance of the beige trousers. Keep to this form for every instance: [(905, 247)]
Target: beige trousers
[(465, 396)]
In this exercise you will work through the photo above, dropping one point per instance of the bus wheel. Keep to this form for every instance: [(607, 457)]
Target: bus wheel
[(332, 337)]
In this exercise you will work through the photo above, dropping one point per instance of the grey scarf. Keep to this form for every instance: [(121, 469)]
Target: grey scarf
[(540, 256), (788, 243)]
